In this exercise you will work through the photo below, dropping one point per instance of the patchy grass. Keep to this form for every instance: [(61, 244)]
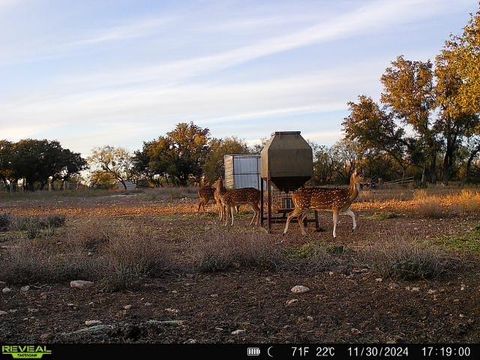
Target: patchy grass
[(315, 257), (406, 261), (468, 242), (383, 215)]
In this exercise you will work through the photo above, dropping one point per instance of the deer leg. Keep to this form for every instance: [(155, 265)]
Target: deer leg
[(232, 209), (256, 211), (300, 219), (352, 215), (335, 221), (199, 205), (226, 214), (293, 214)]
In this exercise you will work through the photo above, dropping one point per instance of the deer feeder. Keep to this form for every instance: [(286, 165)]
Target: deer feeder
[(287, 164)]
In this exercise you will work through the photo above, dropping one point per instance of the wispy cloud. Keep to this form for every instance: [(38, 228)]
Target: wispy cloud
[(132, 30), (367, 19)]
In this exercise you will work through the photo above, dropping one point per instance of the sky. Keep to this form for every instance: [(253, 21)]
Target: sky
[(116, 72)]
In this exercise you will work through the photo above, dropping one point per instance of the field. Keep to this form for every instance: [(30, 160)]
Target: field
[(164, 274)]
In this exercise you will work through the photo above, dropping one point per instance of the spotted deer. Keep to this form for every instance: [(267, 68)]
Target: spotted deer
[(205, 193), (219, 191), (337, 200), (230, 199)]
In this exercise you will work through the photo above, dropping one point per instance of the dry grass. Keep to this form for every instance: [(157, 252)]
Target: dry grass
[(119, 254), (225, 251), (406, 261)]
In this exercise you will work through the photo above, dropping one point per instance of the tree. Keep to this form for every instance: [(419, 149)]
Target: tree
[(179, 155), (115, 161), (375, 131), (189, 143), (214, 166), (38, 161), (459, 63), (408, 92), (7, 170)]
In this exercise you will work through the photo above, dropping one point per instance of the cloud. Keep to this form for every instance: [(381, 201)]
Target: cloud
[(132, 30), (370, 18)]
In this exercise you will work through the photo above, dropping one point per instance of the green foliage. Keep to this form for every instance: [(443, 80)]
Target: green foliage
[(37, 161), (111, 161), (214, 167)]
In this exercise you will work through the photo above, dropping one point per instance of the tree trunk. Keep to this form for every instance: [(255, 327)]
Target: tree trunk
[(472, 156), (124, 184)]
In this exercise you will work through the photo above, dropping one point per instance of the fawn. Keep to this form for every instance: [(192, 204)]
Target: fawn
[(231, 199), (337, 200), (205, 193)]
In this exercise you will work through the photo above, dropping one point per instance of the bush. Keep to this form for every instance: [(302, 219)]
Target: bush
[(407, 261), (131, 255), (30, 264), (5, 222), (225, 251), (34, 225), (315, 257)]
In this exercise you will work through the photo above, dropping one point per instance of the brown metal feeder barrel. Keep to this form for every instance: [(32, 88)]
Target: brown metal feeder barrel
[(287, 160)]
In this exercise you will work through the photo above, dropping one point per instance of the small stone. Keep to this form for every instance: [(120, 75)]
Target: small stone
[(330, 273), (148, 304), (219, 329), (300, 289), (238, 332), (89, 253), (13, 311), (81, 284), (461, 315), (191, 341), (6, 290), (415, 289), (43, 295), (32, 310), (355, 331), (45, 337), (70, 305), (291, 301), (25, 288), (214, 295), (175, 311), (92, 322), (3, 312), (431, 291), (378, 279), (310, 318), (127, 307), (462, 287)]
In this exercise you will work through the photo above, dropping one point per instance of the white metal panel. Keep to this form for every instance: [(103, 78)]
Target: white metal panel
[(247, 180), (246, 164)]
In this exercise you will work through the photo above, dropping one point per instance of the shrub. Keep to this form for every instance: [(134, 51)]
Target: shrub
[(5, 222), (225, 251), (315, 257), (406, 261), (30, 264), (132, 254)]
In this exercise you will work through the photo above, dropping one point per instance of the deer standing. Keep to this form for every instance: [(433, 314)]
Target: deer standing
[(337, 200), (231, 199), (205, 193)]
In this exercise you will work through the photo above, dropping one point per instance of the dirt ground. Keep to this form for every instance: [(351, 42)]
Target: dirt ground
[(246, 305)]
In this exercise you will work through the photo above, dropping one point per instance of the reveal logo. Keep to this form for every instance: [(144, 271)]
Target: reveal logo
[(25, 351)]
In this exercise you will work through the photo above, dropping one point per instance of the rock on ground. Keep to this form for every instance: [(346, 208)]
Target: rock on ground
[(300, 289), (81, 284)]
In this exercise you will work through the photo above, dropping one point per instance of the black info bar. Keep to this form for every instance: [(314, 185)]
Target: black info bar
[(236, 351)]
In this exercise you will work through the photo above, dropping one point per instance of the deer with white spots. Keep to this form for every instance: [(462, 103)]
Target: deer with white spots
[(231, 199), (337, 200)]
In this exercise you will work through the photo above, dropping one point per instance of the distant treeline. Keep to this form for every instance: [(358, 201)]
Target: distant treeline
[(426, 125)]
